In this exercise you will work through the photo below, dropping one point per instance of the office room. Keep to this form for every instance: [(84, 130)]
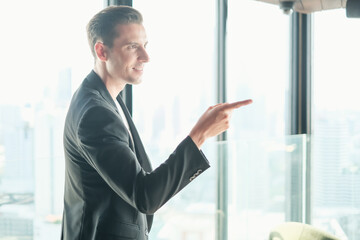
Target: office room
[(271, 85)]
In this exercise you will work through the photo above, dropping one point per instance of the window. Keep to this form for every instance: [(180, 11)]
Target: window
[(45, 57), (258, 68), (178, 86), (336, 117)]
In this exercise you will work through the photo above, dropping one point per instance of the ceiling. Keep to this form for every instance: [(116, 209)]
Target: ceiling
[(307, 6)]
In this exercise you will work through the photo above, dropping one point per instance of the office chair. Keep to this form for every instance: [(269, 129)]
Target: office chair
[(299, 231)]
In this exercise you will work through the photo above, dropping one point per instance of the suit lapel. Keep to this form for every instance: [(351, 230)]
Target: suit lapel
[(139, 148)]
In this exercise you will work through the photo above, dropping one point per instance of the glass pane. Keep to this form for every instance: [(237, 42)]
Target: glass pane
[(47, 56), (258, 173), (258, 67), (178, 86), (336, 145)]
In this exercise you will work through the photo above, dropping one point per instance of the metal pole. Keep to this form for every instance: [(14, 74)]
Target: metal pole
[(118, 2), (222, 165), (299, 184)]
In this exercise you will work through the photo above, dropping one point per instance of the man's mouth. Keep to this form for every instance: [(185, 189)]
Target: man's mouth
[(139, 68)]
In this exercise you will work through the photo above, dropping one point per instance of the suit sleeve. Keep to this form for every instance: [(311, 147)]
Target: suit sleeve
[(104, 141)]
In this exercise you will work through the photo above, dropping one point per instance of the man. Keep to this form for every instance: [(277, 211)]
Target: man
[(111, 191)]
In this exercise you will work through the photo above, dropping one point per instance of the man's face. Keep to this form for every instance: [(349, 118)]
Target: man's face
[(127, 57)]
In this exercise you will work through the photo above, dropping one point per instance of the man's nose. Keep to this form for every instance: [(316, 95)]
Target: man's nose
[(144, 56)]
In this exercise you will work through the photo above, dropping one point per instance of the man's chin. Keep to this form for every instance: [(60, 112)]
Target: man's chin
[(136, 81)]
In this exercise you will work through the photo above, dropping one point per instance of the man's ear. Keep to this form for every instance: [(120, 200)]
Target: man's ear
[(101, 51)]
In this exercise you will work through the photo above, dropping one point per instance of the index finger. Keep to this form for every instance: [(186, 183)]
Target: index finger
[(238, 104)]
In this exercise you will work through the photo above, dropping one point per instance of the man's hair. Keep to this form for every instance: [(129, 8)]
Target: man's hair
[(102, 27)]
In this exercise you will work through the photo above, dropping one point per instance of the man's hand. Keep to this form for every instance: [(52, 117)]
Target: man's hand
[(215, 120)]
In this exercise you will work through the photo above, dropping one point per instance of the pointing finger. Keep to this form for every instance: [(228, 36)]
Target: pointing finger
[(238, 104)]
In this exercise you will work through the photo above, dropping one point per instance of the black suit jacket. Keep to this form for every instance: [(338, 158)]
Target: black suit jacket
[(111, 191)]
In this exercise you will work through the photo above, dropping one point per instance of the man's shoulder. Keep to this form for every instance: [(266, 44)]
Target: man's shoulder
[(88, 96), (91, 90)]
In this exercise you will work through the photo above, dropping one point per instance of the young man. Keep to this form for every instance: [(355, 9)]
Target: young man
[(111, 191)]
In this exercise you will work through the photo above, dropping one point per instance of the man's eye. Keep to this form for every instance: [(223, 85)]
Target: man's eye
[(133, 46)]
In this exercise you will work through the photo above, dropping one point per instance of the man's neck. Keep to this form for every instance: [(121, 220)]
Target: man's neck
[(113, 86)]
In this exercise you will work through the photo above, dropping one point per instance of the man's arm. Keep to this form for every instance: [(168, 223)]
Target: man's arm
[(104, 143)]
